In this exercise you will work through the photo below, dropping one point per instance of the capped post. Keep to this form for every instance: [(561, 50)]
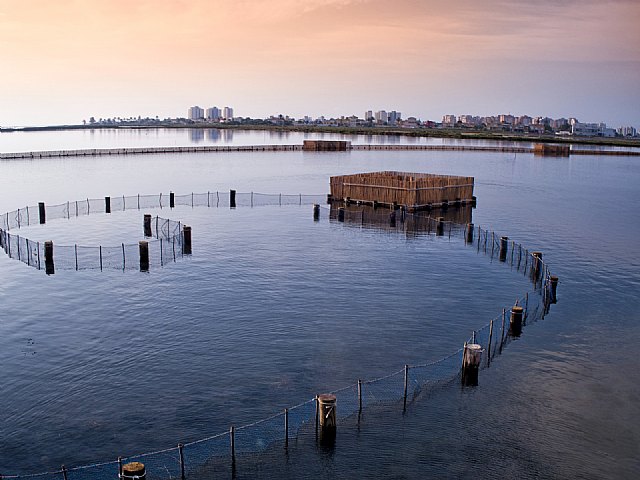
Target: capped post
[(133, 471), (471, 358), (186, 240), (42, 213), (504, 247), (143, 247), (515, 321), (327, 418), (49, 267)]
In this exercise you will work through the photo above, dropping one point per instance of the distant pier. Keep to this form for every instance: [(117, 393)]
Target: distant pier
[(90, 152)]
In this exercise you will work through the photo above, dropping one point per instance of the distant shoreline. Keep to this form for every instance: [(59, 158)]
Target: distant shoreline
[(378, 131)]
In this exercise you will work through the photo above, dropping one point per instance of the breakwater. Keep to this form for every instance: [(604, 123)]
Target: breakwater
[(286, 148)]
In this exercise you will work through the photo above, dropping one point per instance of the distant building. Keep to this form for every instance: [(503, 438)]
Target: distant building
[(469, 120), (368, 116), (507, 119), (627, 131), (394, 117), (449, 120), (213, 113), (196, 113), (592, 130), (382, 116), (227, 113)]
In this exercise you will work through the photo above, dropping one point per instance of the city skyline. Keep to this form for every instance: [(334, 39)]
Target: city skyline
[(319, 57)]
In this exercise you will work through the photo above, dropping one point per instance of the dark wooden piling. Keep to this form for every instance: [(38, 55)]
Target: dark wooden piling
[(474, 201), (147, 225), (469, 235), (341, 214), (143, 247), (515, 321), (182, 465), (504, 248), (133, 471), (316, 212), (232, 198), (536, 265), (392, 219), (42, 213), (471, 358), (107, 204), (172, 200), (440, 226), (186, 240), (327, 418), (49, 267)]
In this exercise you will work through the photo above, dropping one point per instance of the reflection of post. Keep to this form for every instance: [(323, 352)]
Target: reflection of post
[(147, 225)]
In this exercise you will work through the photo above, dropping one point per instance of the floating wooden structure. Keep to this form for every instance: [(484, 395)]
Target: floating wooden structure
[(326, 146), (415, 191), (551, 150)]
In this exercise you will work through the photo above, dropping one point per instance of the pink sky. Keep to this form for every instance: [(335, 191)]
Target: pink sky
[(67, 60)]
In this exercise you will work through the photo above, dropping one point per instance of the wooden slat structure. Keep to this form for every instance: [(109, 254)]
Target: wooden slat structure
[(415, 191), (551, 150), (326, 146)]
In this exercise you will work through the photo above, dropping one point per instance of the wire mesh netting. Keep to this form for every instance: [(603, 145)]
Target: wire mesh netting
[(402, 385)]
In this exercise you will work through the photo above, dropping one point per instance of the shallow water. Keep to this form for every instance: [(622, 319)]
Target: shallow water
[(272, 308)]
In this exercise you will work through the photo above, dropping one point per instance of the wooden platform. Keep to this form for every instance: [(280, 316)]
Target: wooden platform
[(414, 191)]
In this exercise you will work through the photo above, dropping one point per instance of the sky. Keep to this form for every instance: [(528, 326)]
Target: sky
[(64, 61)]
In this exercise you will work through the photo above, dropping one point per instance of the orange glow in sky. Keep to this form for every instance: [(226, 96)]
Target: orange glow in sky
[(67, 60)]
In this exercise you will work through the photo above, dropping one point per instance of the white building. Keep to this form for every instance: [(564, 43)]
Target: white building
[(227, 113), (449, 120), (382, 116), (196, 113), (627, 131), (592, 130), (213, 113)]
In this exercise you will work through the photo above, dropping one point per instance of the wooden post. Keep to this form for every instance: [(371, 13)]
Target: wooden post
[(143, 246), (63, 469), (232, 441), (473, 202), (181, 452), (286, 428), (232, 198), (41, 213), (392, 219), (515, 322), (172, 200), (406, 384), (327, 415), (359, 395), (471, 364), (504, 316), (186, 240), (489, 344), (469, 235), (107, 204), (133, 471), (554, 287), (440, 226), (316, 212), (444, 205), (536, 263), (147, 225), (504, 247), (341, 214), (375, 204), (49, 267)]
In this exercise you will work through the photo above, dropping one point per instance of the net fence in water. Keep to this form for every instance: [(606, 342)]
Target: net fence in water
[(214, 454)]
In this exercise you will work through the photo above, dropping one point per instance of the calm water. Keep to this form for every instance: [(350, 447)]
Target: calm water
[(272, 308)]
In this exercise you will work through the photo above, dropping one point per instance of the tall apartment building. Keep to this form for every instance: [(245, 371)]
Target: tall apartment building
[(227, 113), (368, 115), (394, 117), (449, 120), (382, 116), (213, 113), (195, 113)]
